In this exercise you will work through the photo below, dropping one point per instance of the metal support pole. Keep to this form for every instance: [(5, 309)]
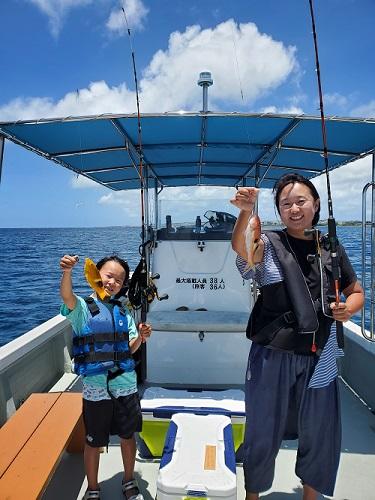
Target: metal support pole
[(156, 205), (205, 98), (371, 258), (372, 245)]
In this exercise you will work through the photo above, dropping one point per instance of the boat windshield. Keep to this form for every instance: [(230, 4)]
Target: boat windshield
[(194, 222)]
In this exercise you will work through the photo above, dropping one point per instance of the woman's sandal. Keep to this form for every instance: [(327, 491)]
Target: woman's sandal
[(131, 485), (91, 495)]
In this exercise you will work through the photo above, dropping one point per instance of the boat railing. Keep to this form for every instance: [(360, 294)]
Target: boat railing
[(33, 362), (368, 257)]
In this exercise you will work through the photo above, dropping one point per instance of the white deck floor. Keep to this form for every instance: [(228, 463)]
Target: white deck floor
[(356, 477)]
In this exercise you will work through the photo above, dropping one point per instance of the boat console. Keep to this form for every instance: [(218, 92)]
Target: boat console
[(215, 225)]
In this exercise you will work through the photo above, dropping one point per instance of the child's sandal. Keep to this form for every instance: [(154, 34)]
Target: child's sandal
[(91, 495), (131, 485)]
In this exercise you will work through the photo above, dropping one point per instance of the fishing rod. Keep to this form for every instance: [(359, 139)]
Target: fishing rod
[(332, 236), (140, 278), (142, 289), (143, 271)]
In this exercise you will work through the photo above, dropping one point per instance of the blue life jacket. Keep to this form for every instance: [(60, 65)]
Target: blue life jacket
[(103, 344)]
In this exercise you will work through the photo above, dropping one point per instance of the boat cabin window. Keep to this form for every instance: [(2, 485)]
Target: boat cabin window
[(212, 225)]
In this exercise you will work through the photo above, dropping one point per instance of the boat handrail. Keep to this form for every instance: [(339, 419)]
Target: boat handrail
[(368, 260)]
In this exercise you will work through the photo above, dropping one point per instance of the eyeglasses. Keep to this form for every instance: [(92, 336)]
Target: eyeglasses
[(287, 205)]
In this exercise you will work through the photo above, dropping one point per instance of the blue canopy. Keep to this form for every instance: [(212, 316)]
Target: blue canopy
[(191, 149)]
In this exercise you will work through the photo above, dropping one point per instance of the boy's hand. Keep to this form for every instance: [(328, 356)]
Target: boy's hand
[(68, 262), (144, 331)]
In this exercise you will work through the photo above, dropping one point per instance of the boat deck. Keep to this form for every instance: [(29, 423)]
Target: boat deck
[(356, 478)]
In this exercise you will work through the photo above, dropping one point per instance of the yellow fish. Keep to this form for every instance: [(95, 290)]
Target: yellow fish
[(94, 279)]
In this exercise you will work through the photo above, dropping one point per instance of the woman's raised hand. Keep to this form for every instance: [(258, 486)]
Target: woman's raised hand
[(245, 198)]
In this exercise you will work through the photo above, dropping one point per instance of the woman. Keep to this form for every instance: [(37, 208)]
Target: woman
[(291, 379)]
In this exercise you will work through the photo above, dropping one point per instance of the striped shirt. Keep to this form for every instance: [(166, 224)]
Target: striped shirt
[(269, 271)]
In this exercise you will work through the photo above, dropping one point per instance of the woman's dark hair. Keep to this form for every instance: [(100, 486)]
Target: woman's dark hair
[(292, 179), (123, 264)]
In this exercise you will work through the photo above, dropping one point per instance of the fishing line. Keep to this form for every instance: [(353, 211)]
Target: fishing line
[(80, 147), (237, 67), (142, 182)]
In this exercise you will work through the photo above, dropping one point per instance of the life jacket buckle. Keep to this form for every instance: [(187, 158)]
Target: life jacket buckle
[(79, 358), (289, 317)]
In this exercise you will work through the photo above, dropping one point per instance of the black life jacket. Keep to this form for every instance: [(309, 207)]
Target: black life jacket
[(285, 316)]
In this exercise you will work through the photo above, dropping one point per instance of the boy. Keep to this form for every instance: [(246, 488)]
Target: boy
[(105, 336)]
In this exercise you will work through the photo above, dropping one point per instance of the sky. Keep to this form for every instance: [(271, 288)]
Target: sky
[(72, 57)]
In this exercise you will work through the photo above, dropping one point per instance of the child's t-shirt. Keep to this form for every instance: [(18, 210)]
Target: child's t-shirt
[(95, 386)]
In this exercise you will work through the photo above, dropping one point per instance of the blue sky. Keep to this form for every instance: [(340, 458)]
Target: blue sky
[(72, 57)]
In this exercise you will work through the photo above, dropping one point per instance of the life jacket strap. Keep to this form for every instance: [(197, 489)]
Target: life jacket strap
[(286, 319), (100, 337), (92, 306), (93, 357)]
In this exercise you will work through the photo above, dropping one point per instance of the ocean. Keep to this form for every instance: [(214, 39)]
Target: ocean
[(29, 264)]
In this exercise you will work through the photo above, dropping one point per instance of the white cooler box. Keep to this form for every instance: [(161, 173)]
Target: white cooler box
[(159, 404), (198, 459)]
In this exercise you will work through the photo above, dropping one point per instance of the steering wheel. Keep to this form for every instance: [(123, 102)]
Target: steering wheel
[(211, 223)]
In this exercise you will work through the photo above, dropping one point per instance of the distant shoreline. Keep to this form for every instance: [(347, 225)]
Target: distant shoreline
[(264, 223), (321, 223)]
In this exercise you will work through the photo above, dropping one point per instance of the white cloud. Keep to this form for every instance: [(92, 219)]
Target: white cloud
[(96, 99), (56, 10), (170, 80), (336, 99), (199, 193), (347, 183), (82, 182), (127, 202), (287, 110), (171, 77), (123, 198), (135, 12), (184, 203), (365, 110)]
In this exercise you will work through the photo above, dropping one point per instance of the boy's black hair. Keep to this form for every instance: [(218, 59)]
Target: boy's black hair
[(292, 179), (123, 264)]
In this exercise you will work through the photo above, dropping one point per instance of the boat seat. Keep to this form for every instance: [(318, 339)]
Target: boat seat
[(34, 439), (207, 321)]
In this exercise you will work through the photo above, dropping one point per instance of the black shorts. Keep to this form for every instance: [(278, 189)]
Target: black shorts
[(121, 417)]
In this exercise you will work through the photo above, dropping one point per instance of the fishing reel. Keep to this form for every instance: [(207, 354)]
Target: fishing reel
[(151, 291)]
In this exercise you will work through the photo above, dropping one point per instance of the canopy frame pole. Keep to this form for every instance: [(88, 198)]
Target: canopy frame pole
[(371, 259), (132, 149), (202, 145), (277, 141)]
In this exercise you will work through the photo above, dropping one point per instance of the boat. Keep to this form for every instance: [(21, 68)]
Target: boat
[(196, 357)]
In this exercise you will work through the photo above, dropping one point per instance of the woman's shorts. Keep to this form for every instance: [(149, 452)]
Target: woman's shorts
[(118, 416)]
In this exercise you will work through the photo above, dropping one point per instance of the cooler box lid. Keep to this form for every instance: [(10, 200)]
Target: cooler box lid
[(158, 402), (198, 457)]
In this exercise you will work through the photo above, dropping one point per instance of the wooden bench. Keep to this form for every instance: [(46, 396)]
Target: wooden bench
[(34, 439)]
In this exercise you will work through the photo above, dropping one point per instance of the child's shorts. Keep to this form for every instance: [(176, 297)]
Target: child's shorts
[(121, 416)]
